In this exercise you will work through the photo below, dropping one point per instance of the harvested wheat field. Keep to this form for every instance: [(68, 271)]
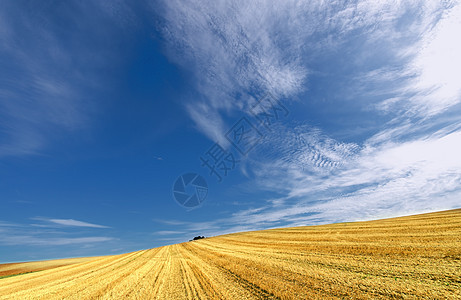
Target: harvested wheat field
[(15, 269), (411, 257)]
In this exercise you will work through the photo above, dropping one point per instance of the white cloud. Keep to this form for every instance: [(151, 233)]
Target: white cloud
[(369, 182), (407, 53), (13, 234), (36, 241), (71, 222), (438, 65), (168, 232), (233, 49), (49, 222), (238, 49), (423, 66), (387, 180)]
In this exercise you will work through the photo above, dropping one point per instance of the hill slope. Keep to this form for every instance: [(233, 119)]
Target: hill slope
[(417, 257)]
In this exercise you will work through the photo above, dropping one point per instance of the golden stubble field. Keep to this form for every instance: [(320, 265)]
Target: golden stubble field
[(415, 257)]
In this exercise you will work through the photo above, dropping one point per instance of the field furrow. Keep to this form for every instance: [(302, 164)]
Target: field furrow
[(415, 257)]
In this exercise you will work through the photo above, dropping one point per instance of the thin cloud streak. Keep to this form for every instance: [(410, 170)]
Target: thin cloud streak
[(36, 241), (13, 234), (49, 81), (75, 223)]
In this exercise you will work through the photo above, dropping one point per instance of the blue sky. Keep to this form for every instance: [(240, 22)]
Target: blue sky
[(104, 104)]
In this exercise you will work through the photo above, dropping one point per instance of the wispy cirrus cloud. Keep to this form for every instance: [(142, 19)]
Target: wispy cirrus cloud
[(392, 179), (233, 49), (51, 232), (399, 58), (35, 96), (49, 73), (168, 232), (426, 84), (68, 222), (239, 50), (51, 241)]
